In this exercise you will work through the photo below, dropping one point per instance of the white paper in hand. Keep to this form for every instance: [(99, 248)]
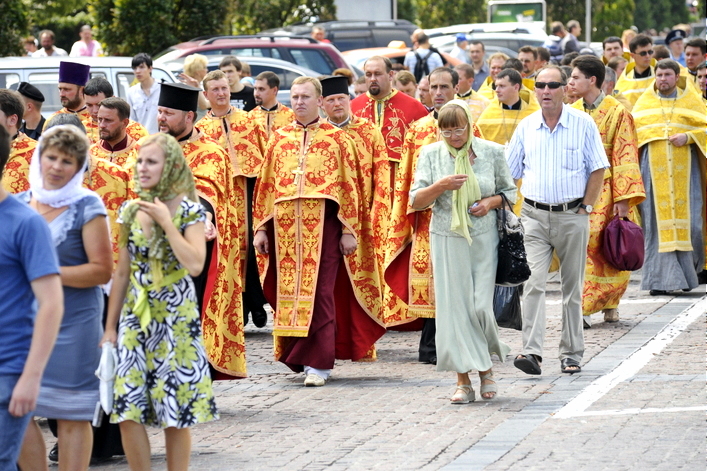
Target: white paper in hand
[(106, 373)]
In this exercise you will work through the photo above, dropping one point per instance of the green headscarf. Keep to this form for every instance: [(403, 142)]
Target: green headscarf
[(469, 192), (176, 179)]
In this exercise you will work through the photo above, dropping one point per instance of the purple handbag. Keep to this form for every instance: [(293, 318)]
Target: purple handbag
[(623, 244)]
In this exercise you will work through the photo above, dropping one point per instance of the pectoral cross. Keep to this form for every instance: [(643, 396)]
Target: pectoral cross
[(667, 130), (298, 175)]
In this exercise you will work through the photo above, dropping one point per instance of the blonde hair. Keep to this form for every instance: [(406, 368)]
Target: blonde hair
[(405, 77), (498, 55), (316, 83), (195, 63), (211, 76)]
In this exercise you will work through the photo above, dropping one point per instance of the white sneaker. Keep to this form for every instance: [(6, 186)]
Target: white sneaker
[(313, 380)]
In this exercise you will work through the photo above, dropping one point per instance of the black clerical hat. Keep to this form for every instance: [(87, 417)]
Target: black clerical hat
[(30, 91), (179, 96), (335, 85)]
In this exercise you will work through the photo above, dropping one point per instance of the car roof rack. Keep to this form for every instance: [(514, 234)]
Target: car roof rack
[(272, 37)]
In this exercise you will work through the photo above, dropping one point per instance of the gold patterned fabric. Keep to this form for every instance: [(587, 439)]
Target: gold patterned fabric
[(656, 119), (409, 291), (304, 168), (134, 129), (271, 121), (83, 114), (125, 158), (112, 184), (392, 114), (498, 125), (604, 285), (632, 88), (244, 141), (476, 102), (375, 197), (15, 178)]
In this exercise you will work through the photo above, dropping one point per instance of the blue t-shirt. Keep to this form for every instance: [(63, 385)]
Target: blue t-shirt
[(26, 254)]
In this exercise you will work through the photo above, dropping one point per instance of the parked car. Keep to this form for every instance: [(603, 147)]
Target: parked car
[(515, 28), (303, 51), (358, 57), (512, 41), (286, 71), (43, 73), (348, 35)]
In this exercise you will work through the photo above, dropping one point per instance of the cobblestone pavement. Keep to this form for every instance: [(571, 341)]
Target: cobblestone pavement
[(395, 413)]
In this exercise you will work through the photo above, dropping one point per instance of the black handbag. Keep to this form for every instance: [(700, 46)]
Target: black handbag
[(507, 306), (513, 266)]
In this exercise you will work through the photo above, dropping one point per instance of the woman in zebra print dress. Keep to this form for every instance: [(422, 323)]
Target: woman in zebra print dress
[(163, 375)]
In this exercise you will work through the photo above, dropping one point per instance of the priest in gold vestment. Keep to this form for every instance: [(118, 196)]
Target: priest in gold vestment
[(15, 178), (115, 144), (219, 291), (671, 122), (244, 140), (72, 80), (621, 191), (308, 223), (268, 112)]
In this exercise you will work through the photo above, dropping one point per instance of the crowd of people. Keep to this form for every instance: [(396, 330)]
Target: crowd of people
[(367, 205)]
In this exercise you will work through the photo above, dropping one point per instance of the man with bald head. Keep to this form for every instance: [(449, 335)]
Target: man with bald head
[(390, 110)]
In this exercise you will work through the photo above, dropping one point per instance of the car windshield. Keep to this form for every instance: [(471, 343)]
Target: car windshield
[(169, 54)]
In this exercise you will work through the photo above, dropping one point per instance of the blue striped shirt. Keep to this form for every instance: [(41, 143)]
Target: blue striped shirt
[(555, 165)]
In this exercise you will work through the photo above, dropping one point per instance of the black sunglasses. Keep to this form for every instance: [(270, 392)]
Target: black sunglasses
[(645, 53), (552, 85)]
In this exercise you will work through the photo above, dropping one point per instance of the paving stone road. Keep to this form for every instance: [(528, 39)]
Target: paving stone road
[(639, 404)]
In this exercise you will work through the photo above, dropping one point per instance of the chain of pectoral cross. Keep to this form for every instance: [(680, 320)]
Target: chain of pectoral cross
[(668, 119), (304, 148)]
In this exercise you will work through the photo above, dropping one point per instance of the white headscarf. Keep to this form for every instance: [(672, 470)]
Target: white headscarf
[(71, 192)]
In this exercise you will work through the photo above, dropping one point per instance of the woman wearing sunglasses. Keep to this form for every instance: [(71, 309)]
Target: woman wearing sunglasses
[(461, 177)]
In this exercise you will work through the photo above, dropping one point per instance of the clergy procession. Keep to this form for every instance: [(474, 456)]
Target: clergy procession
[(157, 229)]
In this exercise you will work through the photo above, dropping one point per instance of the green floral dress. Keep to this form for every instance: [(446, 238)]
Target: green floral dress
[(163, 375)]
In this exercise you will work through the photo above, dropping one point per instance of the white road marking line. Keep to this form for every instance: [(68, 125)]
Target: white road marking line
[(647, 410), (633, 363), (555, 302)]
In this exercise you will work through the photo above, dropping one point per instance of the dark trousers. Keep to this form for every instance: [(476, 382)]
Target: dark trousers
[(253, 297), (428, 348)]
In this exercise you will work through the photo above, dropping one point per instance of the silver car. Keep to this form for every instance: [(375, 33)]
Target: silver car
[(43, 73), (286, 71)]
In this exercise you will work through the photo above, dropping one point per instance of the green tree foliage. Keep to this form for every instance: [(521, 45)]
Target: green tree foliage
[(659, 14), (406, 10), (611, 17), (436, 13), (253, 16), (12, 27), (64, 18), (127, 27)]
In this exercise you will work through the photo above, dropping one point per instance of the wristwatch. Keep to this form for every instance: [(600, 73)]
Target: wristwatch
[(587, 207)]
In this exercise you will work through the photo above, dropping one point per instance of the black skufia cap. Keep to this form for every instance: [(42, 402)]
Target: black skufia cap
[(179, 96)]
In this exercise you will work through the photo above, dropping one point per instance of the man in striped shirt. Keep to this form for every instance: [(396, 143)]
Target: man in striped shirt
[(558, 153)]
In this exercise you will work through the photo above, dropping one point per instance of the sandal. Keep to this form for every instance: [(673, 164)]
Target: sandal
[(464, 394), (570, 366), (529, 364), (488, 388)]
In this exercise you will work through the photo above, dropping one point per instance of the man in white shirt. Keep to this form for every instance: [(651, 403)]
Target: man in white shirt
[(431, 60), (46, 39), (460, 49), (558, 153), (143, 96)]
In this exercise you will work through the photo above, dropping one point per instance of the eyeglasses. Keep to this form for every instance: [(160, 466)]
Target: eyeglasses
[(645, 53), (552, 85), (456, 132)]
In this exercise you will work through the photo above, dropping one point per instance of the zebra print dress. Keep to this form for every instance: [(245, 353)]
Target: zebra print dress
[(163, 375)]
